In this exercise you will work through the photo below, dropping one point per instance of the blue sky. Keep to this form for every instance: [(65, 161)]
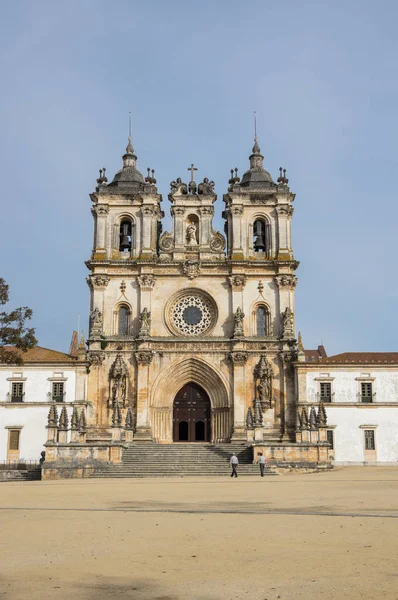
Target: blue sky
[(322, 77)]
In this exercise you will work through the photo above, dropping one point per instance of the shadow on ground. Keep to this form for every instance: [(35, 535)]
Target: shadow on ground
[(134, 589)]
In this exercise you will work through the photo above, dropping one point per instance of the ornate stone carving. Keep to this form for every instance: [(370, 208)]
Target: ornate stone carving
[(191, 268), (206, 210), (238, 281), (217, 242), (101, 210), (263, 374), (147, 211), (238, 323), (95, 357), (285, 210), (118, 374), (191, 235), (146, 281), (288, 323), (98, 281), (177, 210), (166, 242), (206, 187), (145, 323), (237, 210), (144, 357), (192, 314), (289, 281), (95, 322), (239, 358)]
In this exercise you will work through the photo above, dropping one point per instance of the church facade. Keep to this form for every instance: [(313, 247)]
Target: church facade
[(192, 333)]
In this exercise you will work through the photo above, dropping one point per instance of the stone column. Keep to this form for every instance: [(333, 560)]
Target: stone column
[(238, 360), (146, 281), (101, 211), (237, 251), (147, 212), (206, 213), (144, 359), (285, 213)]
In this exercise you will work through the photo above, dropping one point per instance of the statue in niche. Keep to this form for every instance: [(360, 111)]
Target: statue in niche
[(288, 323), (191, 234), (96, 321), (238, 322), (263, 375), (118, 382), (145, 323)]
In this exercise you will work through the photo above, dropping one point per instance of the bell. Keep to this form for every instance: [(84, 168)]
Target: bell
[(258, 228), (259, 244), (125, 243)]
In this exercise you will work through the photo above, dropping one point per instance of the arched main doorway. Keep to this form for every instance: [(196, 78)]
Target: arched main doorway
[(191, 415)]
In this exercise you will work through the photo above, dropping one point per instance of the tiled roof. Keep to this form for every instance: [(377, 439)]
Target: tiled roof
[(315, 355), (363, 357), (45, 355)]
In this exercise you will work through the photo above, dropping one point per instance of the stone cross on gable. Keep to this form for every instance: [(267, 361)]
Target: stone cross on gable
[(192, 169)]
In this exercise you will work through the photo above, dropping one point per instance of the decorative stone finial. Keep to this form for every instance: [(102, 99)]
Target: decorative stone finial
[(52, 418), (75, 419), (304, 418), (313, 418), (322, 416), (249, 418), (129, 418), (82, 420), (258, 413), (116, 415), (63, 419)]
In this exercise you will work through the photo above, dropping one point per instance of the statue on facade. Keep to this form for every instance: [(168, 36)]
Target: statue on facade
[(96, 321), (178, 186), (191, 234), (238, 322), (118, 382), (288, 323), (263, 374), (206, 187), (145, 323)]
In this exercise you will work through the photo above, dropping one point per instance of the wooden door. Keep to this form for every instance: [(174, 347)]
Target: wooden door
[(191, 415)]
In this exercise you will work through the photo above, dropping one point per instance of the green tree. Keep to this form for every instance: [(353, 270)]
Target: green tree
[(13, 330)]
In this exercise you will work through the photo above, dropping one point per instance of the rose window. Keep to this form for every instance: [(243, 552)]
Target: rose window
[(192, 314)]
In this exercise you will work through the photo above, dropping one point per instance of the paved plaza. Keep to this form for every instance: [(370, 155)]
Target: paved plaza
[(315, 536)]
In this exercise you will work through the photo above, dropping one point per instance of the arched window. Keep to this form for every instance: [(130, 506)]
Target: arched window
[(125, 236), (123, 324), (261, 321), (261, 236)]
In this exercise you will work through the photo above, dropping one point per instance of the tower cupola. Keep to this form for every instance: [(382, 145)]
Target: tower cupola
[(256, 176)]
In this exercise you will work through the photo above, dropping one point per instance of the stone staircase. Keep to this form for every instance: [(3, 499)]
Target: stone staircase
[(181, 459), (21, 474)]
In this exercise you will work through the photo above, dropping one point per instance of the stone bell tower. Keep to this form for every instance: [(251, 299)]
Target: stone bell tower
[(258, 213)]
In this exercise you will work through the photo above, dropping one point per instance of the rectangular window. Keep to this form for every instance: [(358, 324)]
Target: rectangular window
[(17, 392), (366, 391), (58, 391), (330, 438), (326, 391), (13, 439), (370, 439)]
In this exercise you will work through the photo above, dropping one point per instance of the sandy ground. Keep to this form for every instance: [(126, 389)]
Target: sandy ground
[(323, 536)]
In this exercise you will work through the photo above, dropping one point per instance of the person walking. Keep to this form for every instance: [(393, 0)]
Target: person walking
[(261, 462), (234, 463)]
